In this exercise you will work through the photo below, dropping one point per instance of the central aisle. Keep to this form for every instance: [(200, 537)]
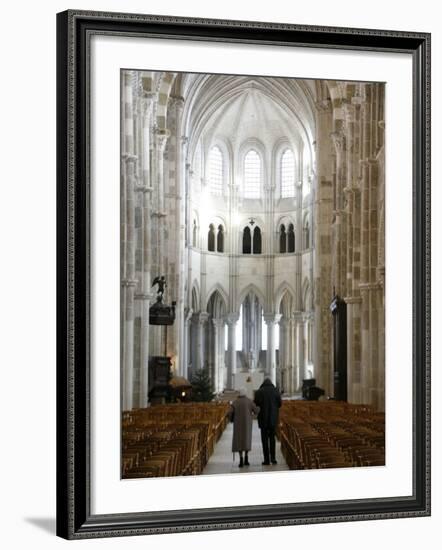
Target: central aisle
[(221, 461)]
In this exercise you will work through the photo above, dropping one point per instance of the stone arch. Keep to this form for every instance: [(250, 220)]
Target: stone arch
[(285, 306), (283, 289), (251, 288), (195, 297), (216, 305), (221, 296)]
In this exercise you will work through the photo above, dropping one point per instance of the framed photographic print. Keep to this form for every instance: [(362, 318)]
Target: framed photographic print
[(243, 274)]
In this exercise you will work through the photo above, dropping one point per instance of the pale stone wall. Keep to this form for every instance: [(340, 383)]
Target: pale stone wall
[(350, 229), (337, 213)]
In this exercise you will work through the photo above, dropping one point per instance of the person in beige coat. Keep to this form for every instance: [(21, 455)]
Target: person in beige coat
[(242, 412)]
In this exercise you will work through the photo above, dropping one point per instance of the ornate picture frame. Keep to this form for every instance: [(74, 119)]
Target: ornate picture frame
[(75, 517)]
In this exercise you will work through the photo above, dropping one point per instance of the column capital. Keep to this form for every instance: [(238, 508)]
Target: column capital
[(203, 317), (218, 323), (176, 101), (143, 189), (272, 318), (144, 296), (324, 106), (370, 286), (129, 157), (299, 316), (232, 318), (352, 299), (161, 136), (367, 161), (147, 102), (129, 282), (338, 139)]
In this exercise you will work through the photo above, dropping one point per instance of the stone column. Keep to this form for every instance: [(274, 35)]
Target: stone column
[(218, 325), (177, 225), (300, 349), (181, 283), (146, 113), (271, 319), (323, 213), (128, 281), (292, 355), (231, 320), (284, 353), (306, 358), (353, 349), (186, 344), (161, 136), (201, 320)]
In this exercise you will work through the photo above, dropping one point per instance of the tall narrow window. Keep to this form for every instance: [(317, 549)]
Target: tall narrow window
[(216, 171), (247, 241), (291, 238), (211, 239), (220, 239), (287, 174), (282, 239), (257, 240), (252, 175)]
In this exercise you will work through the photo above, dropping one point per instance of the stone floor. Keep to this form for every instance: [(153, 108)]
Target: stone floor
[(221, 461)]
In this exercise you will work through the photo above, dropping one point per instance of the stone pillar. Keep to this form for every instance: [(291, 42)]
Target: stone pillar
[(271, 319), (161, 136), (284, 353), (231, 320), (292, 355), (306, 358), (146, 113), (371, 382), (322, 260), (181, 283), (300, 349), (200, 320), (128, 281), (353, 349), (186, 344), (218, 325)]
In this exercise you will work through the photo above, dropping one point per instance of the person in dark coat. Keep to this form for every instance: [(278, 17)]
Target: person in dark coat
[(268, 399), (241, 414)]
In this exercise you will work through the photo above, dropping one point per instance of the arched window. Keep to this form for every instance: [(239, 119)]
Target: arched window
[(287, 174), (211, 239), (252, 175), (257, 240), (220, 239), (247, 241), (282, 239), (291, 238), (194, 233), (251, 240), (216, 175)]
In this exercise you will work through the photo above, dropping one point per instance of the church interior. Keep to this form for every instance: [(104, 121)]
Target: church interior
[(252, 247)]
